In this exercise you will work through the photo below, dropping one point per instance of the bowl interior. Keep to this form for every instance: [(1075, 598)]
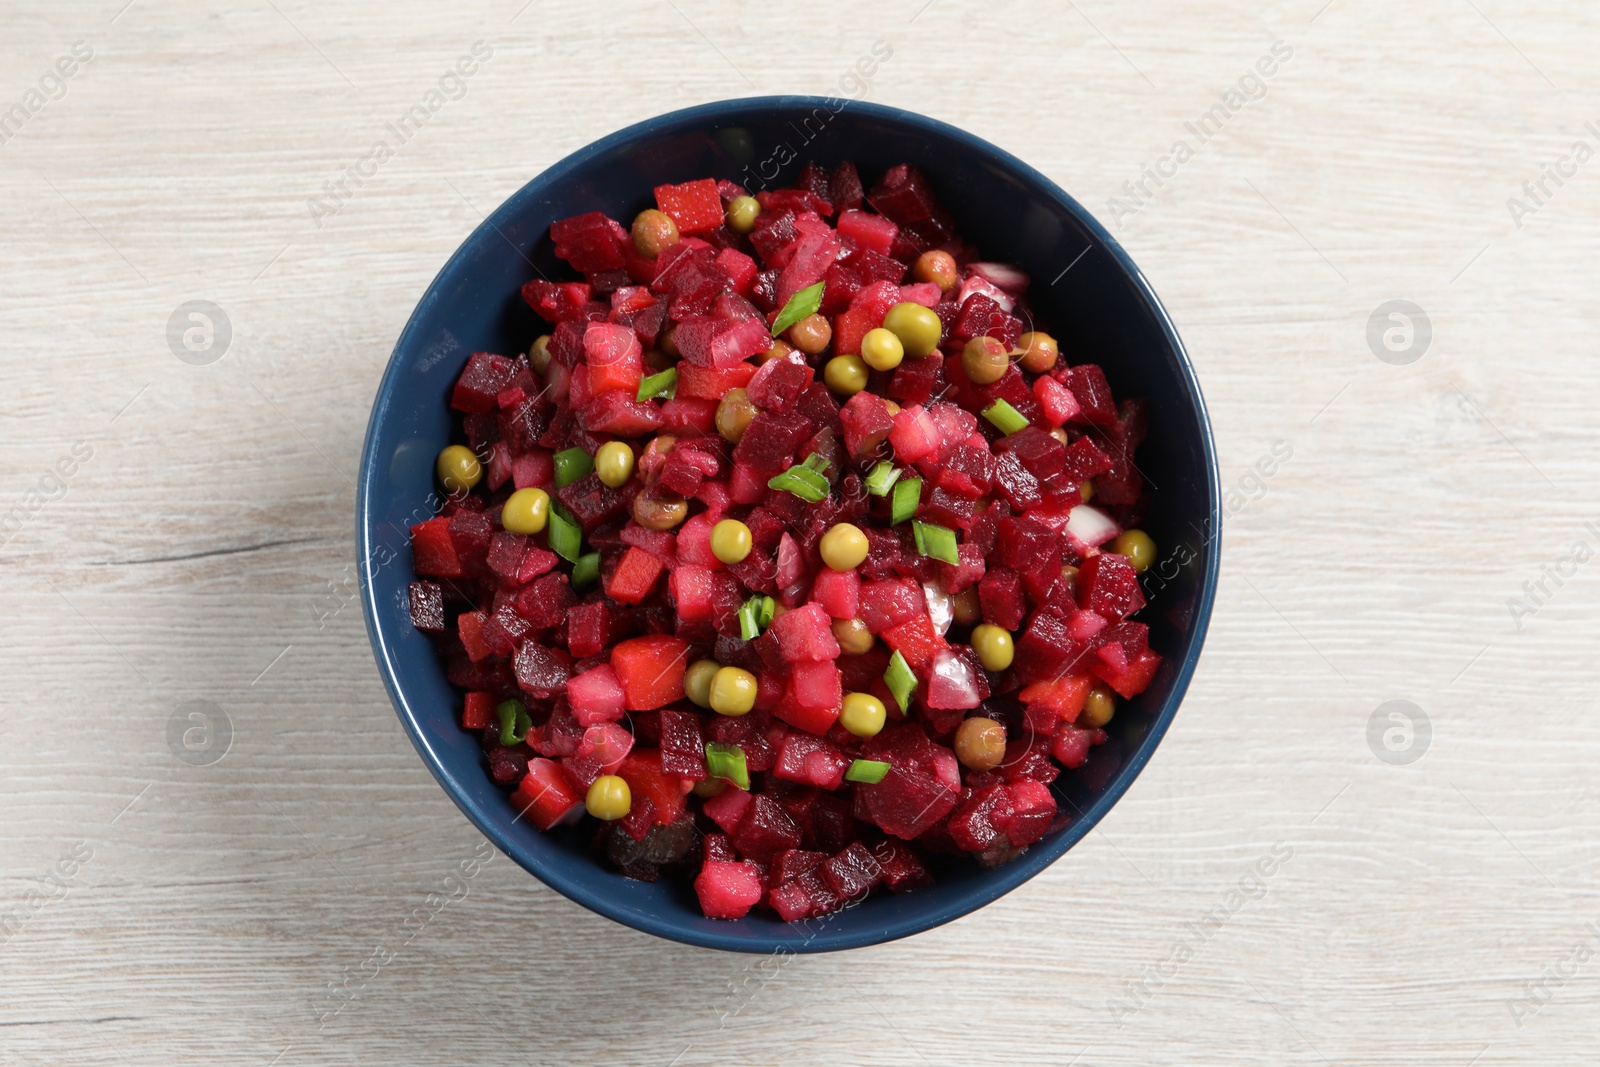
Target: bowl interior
[(1085, 291)]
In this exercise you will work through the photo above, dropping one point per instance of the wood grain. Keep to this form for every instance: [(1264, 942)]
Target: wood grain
[(203, 551)]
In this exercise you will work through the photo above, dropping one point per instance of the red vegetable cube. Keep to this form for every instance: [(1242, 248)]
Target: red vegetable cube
[(1033, 807), (477, 711), (765, 830), (546, 796), (651, 670), (1096, 404), (641, 769), (595, 696), (839, 592), (427, 606), (914, 434), (433, 553), (694, 206), (805, 634), (485, 375), (811, 760), (682, 748), (1109, 586), (710, 383), (868, 231), (916, 640), (866, 422), (1136, 679), (728, 890), (727, 808), (634, 577), (590, 242)]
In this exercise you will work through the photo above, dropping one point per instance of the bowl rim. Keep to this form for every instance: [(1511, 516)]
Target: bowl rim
[(1001, 880)]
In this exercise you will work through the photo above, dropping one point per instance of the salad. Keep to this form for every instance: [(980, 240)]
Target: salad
[(793, 553)]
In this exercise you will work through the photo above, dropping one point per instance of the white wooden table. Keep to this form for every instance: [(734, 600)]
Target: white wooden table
[(180, 532)]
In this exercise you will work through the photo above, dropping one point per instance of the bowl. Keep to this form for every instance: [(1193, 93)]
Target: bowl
[(1085, 289)]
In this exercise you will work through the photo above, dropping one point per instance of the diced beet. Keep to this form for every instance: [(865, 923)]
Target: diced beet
[(903, 194), (718, 849), (470, 533), (1033, 808), (982, 819), (907, 802), (1020, 488), (852, 872), (866, 422), (617, 412), (727, 808), (1109, 586), (765, 830), (889, 602), (427, 606), (1096, 405), (772, 440), (706, 341), (639, 821), (902, 870), (868, 231), (777, 385), (1072, 744), (792, 863), (546, 601), (590, 628), (813, 254), (589, 242), (811, 760), (805, 634), (592, 502), (682, 748), (478, 388), (687, 415), (556, 301), (541, 671), (811, 717)]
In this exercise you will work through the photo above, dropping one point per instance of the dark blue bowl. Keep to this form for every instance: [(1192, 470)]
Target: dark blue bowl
[(1086, 290)]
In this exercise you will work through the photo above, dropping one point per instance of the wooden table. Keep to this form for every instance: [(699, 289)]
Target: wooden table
[(178, 542)]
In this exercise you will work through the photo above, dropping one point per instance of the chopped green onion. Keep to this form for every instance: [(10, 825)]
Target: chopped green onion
[(1005, 418), (805, 302), (663, 384), (750, 618), (727, 762), (514, 721), (566, 536), (900, 679), (572, 464), (868, 771), (907, 498), (817, 462), (766, 611), (882, 478), (803, 482), (936, 542), (586, 570)]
